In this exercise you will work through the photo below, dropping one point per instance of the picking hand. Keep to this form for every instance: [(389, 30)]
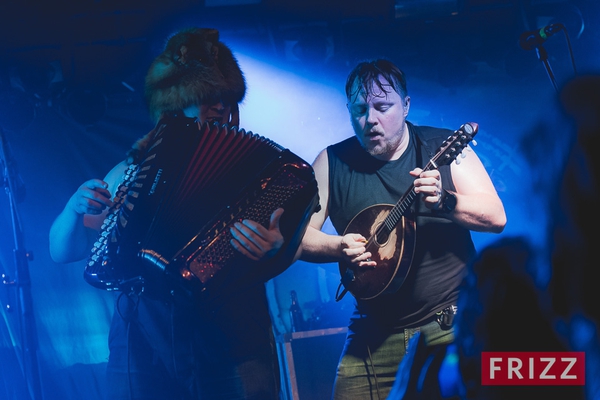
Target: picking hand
[(355, 250), (254, 240)]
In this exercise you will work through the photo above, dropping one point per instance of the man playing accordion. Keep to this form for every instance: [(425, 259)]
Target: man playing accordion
[(160, 347)]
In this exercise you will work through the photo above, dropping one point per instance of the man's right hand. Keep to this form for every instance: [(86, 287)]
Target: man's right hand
[(355, 251)]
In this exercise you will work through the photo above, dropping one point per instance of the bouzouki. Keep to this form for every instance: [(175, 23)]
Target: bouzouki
[(390, 232)]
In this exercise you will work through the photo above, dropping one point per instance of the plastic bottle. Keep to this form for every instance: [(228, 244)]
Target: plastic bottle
[(296, 316)]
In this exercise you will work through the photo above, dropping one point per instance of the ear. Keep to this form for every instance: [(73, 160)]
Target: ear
[(406, 106)]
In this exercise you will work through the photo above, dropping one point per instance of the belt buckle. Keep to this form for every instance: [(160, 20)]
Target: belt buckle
[(446, 317)]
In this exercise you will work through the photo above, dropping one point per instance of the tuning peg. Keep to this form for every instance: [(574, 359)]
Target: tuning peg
[(474, 142)]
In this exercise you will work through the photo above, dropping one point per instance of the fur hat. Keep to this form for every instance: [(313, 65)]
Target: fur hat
[(195, 68)]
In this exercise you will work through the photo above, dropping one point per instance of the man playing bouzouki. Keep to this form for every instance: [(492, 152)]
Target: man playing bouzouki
[(403, 264)]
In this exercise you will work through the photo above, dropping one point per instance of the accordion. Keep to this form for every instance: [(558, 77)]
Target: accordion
[(172, 215)]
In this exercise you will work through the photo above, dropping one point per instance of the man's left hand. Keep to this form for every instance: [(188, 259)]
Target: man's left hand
[(429, 183)]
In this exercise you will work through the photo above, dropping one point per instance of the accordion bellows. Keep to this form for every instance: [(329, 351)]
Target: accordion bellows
[(195, 181)]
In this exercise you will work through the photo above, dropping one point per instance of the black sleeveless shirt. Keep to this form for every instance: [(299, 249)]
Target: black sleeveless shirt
[(357, 180)]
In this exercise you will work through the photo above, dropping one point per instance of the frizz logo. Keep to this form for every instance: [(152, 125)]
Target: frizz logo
[(533, 368)]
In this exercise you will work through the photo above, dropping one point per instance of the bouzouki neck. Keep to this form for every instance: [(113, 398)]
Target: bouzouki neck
[(445, 155)]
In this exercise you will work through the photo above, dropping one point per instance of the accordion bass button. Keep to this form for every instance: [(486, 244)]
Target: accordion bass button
[(186, 274)]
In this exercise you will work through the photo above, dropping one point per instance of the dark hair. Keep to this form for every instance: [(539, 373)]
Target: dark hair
[(367, 72)]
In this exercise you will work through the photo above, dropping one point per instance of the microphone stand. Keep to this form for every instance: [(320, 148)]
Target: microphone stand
[(543, 57), (22, 282)]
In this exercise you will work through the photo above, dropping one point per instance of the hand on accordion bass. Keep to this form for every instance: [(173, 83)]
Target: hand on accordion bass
[(256, 241)]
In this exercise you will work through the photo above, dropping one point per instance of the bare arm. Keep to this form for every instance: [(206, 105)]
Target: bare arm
[(76, 228), (320, 247), (478, 207)]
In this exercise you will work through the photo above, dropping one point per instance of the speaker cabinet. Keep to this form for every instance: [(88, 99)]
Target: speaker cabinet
[(308, 361)]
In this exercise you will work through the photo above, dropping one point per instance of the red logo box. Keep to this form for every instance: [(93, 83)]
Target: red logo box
[(533, 368)]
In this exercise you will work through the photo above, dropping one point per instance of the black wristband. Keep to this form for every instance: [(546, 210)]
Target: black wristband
[(448, 202)]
